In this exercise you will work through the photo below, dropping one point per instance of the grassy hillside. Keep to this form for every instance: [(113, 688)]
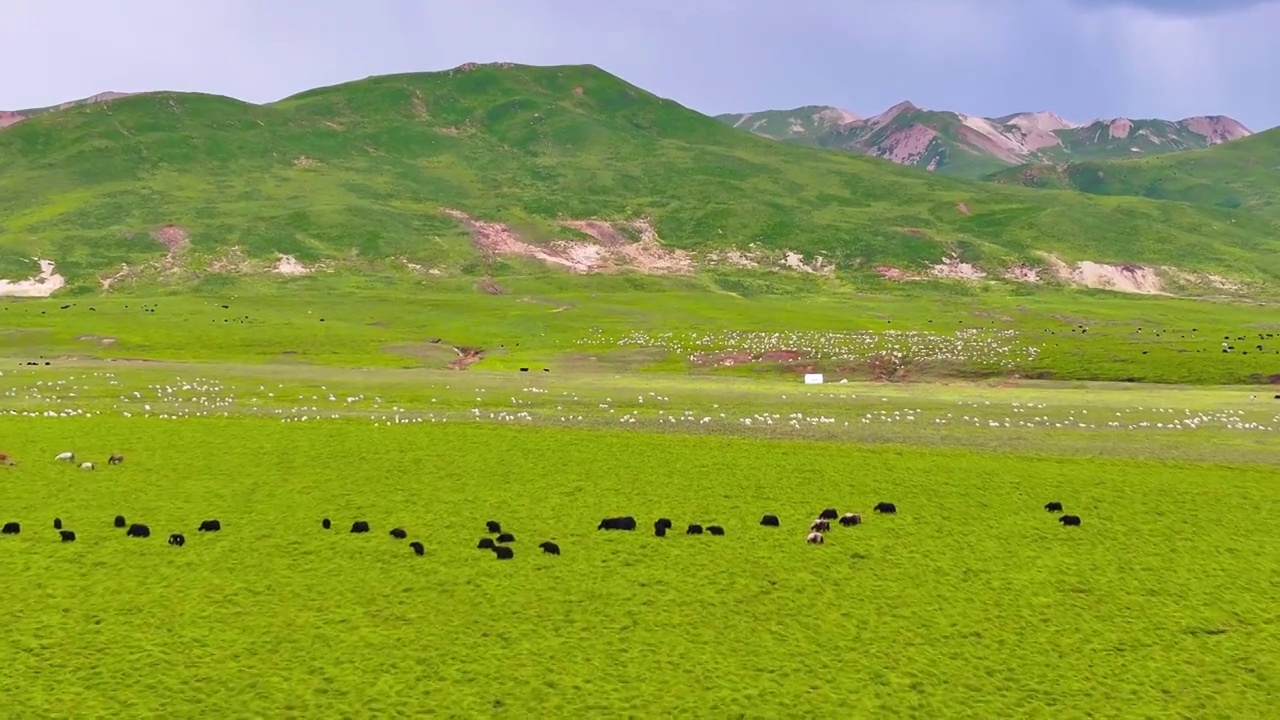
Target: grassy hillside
[(1243, 174), (359, 174)]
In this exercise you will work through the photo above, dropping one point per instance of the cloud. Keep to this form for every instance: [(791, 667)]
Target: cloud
[(1176, 7), (1079, 58)]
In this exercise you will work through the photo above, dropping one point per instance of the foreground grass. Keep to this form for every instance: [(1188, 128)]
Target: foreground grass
[(972, 600)]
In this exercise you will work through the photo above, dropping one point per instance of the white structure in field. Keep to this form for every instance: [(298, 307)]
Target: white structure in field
[(813, 378)]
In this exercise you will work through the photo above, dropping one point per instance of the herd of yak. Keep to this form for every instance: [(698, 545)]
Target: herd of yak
[(500, 546)]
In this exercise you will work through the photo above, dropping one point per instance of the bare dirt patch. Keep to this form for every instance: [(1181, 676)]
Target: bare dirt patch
[(915, 232), (1023, 273), (796, 261), (289, 265), (303, 161), (612, 250), (578, 92), (487, 285), (1137, 279), (953, 268), (888, 272), (962, 208), (174, 238), (467, 356), (231, 260), (42, 285)]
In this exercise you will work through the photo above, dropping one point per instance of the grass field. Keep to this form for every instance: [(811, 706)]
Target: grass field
[(971, 601)]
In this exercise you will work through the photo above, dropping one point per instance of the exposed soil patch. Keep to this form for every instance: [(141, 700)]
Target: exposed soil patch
[(41, 286), (489, 286), (1138, 279), (962, 208), (232, 260), (305, 161), (953, 268), (418, 104), (97, 339), (467, 356), (915, 232), (289, 265), (611, 251), (106, 281), (578, 92), (1023, 273), (796, 261), (174, 238), (888, 272)]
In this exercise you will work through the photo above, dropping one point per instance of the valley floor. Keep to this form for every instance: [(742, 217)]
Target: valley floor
[(971, 601)]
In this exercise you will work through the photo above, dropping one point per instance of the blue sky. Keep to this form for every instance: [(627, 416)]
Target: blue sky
[(1082, 59)]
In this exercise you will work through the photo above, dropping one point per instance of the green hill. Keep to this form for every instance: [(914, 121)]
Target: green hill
[(1243, 174), (390, 173)]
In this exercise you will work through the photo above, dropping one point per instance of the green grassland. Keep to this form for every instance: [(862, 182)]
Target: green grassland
[(971, 601), (358, 174), (667, 326), (1237, 175)]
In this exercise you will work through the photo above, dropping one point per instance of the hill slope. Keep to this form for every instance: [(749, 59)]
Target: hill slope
[(13, 117), (505, 169), (966, 145), (1243, 174)]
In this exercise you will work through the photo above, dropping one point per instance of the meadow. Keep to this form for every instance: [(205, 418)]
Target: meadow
[(971, 601)]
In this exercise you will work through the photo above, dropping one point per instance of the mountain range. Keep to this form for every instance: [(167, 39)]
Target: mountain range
[(972, 146), (506, 173)]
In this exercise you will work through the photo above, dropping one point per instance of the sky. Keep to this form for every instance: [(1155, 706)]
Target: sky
[(1082, 59)]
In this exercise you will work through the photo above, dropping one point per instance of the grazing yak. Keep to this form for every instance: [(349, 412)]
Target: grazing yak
[(829, 514), (360, 526), (659, 530), (815, 538), (210, 526), (848, 519), (503, 552), (66, 457), (138, 530), (67, 535), (493, 527), (119, 521), (115, 459), (694, 529), (485, 544), (769, 521), (887, 508), (7, 461), (506, 538), (326, 524), (417, 548), (86, 466), (550, 548), (57, 523), (398, 533), (617, 523), (664, 522), (1054, 506), (715, 529), (11, 528), (820, 526), (177, 540), (1069, 520)]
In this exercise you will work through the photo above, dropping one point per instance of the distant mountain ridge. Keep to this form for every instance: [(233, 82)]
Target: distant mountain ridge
[(968, 145)]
